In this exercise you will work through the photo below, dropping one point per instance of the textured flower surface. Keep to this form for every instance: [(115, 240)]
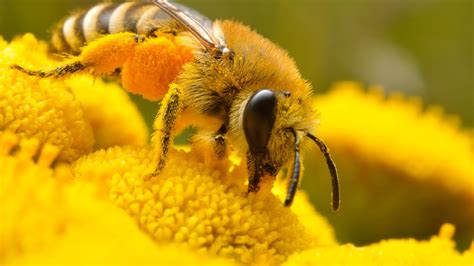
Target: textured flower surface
[(61, 196), (43, 109), (73, 114), (48, 219), (204, 207)]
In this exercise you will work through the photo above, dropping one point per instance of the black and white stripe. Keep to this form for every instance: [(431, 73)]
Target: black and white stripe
[(107, 18), (96, 21)]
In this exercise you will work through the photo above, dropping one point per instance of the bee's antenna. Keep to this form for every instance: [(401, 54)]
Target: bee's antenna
[(332, 169), (295, 176)]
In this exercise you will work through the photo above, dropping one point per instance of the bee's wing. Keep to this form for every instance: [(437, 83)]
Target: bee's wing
[(198, 25)]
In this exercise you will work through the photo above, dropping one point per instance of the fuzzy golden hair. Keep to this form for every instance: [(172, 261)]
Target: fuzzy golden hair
[(257, 63)]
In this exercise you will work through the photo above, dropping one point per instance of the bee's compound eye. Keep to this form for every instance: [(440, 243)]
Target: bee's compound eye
[(258, 120)]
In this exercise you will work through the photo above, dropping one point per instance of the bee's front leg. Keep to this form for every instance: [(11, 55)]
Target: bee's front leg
[(255, 170), (220, 146), (171, 107)]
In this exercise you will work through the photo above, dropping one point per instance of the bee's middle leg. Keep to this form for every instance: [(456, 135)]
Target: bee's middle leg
[(171, 107)]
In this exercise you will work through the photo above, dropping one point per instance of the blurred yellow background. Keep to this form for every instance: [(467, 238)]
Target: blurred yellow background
[(421, 48)]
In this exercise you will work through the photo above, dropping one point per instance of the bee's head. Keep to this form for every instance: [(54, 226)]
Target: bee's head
[(268, 129), (271, 107), (273, 131)]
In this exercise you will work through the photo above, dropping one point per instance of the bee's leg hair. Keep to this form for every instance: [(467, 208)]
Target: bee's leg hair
[(220, 147), (255, 170), (170, 108), (57, 72)]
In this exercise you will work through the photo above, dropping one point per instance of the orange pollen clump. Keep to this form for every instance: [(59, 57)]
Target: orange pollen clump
[(154, 65), (109, 52)]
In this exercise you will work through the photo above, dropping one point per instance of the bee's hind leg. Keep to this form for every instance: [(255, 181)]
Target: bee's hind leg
[(171, 107), (102, 56), (57, 72)]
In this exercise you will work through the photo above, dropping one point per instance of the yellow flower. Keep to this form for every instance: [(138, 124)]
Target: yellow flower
[(63, 112), (307, 215), (45, 218), (80, 220), (397, 162), (115, 120), (439, 250), (202, 206), (42, 109)]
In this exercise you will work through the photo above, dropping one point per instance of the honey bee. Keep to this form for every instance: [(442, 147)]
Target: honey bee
[(239, 89)]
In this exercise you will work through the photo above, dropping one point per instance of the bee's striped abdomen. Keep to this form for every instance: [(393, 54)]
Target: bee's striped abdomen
[(86, 26), (97, 21)]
